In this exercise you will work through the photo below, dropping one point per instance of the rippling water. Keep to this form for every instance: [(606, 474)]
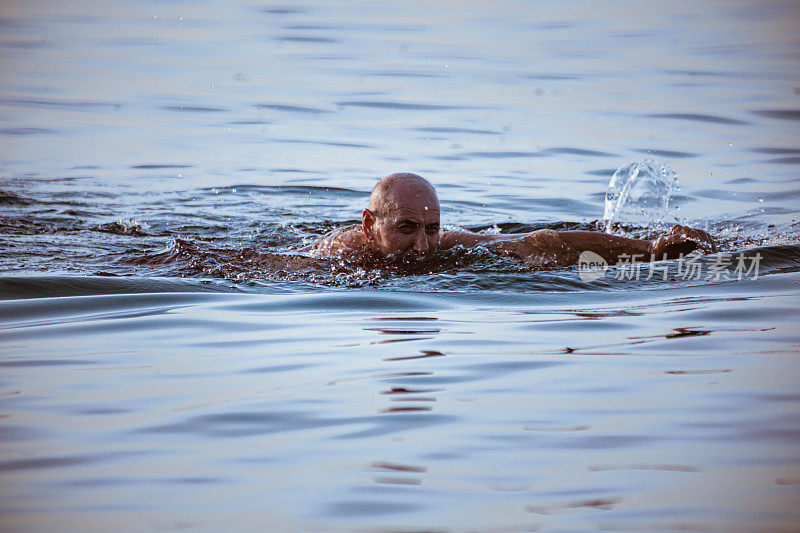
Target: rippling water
[(168, 364)]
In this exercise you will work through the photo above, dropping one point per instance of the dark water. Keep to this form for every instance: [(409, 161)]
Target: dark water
[(168, 364)]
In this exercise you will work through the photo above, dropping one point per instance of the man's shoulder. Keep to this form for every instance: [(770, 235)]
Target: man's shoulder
[(339, 240)]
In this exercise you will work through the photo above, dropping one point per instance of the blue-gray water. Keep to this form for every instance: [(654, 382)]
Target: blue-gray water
[(163, 369)]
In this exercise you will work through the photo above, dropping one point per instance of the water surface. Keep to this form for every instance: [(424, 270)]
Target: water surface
[(165, 367)]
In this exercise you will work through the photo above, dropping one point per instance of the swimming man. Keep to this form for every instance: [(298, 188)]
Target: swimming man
[(402, 221)]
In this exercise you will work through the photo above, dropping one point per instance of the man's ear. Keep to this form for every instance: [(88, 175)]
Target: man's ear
[(367, 221)]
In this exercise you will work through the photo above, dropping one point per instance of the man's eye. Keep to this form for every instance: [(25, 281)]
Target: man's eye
[(432, 230), (407, 229)]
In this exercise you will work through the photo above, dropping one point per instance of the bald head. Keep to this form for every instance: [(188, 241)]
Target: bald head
[(396, 190), (403, 216)]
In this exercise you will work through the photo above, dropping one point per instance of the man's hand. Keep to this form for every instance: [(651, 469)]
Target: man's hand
[(681, 240)]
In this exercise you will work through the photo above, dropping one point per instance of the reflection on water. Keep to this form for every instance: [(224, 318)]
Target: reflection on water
[(169, 364)]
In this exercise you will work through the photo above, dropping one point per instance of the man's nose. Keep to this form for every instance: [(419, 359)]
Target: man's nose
[(421, 243)]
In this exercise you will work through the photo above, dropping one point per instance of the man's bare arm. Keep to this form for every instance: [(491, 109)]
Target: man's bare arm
[(564, 248)]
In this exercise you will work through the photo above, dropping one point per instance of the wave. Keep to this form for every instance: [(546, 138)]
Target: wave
[(190, 268), (24, 287)]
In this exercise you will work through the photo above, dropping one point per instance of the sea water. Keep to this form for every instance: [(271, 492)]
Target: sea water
[(168, 363)]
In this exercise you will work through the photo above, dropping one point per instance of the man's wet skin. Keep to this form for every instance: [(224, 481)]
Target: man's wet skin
[(402, 223)]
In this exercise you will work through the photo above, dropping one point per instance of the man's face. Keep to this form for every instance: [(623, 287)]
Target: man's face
[(407, 226)]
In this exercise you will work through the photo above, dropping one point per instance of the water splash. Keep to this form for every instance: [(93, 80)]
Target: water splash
[(639, 194)]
